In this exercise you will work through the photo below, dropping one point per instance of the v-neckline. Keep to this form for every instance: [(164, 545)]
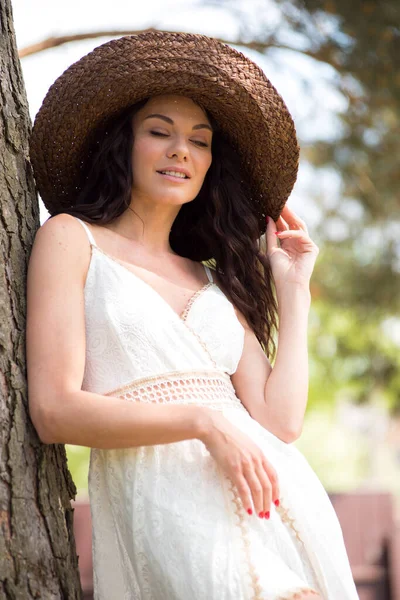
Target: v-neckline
[(185, 312)]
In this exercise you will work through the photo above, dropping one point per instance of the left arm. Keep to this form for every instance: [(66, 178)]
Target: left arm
[(277, 397)]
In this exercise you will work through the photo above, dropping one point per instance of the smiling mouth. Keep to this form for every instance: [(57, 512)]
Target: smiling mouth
[(175, 174)]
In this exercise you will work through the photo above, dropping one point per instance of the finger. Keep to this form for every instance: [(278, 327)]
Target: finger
[(293, 219), (267, 488), (282, 224), (273, 479), (303, 224), (270, 235), (299, 224), (244, 493), (298, 233), (256, 488)]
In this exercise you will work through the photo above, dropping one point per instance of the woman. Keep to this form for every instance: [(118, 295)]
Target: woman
[(154, 154)]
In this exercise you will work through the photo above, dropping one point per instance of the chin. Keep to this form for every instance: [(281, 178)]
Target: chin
[(172, 198), (176, 201)]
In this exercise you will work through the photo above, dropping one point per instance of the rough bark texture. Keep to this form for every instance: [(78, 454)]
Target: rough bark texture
[(37, 545)]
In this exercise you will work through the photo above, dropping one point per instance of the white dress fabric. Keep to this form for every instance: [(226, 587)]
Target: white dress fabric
[(167, 523)]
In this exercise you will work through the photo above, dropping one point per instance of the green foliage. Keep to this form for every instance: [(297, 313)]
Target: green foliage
[(78, 463), (354, 347), (354, 355), (356, 282), (340, 460)]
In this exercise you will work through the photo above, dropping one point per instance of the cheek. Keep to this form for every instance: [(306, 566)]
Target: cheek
[(202, 161), (205, 163), (143, 153)]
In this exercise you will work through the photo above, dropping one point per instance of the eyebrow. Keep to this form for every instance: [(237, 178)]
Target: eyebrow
[(170, 121)]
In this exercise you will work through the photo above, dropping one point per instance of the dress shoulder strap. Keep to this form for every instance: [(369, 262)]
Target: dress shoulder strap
[(89, 233), (209, 274)]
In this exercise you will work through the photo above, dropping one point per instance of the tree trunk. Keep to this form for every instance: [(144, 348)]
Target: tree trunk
[(37, 545)]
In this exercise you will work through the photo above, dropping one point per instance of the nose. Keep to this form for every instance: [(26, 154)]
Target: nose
[(178, 149)]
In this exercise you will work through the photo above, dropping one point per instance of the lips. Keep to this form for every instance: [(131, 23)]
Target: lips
[(177, 172), (174, 175), (175, 179)]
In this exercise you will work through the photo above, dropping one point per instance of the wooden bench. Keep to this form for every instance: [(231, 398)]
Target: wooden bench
[(370, 535)]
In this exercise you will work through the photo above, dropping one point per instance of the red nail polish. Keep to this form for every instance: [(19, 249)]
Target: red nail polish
[(267, 515), (276, 502), (277, 232), (261, 515), (249, 511)]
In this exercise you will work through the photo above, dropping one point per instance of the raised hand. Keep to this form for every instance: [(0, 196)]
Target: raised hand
[(293, 259)]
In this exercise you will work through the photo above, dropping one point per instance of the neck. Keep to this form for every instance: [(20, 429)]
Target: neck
[(148, 227)]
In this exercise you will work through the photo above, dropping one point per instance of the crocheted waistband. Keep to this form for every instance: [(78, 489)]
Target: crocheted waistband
[(206, 388)]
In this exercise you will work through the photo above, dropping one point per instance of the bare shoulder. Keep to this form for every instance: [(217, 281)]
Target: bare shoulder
[(61, 244), (62, 228)]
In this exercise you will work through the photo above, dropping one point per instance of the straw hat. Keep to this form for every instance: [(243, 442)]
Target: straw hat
[(121, 72)]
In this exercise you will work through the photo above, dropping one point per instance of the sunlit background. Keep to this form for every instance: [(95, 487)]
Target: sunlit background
[(335, 64)]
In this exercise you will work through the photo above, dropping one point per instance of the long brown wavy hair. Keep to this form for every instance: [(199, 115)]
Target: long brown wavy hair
[(218, 227)]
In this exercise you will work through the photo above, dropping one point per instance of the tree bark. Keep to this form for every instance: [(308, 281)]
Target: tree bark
[(37, 545)]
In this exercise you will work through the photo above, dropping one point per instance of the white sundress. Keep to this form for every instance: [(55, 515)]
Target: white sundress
[(167, 523)]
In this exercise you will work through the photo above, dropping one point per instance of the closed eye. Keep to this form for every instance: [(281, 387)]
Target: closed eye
[(197, 142), (159, 133)]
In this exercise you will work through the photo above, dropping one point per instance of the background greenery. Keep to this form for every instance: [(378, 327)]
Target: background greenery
[(349, 52)]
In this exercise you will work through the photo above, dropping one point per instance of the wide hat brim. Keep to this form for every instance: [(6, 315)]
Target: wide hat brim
[(119, 73)]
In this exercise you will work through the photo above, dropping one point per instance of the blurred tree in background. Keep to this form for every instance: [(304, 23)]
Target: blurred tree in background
[(356, 283), (354, 337), (354, 329)]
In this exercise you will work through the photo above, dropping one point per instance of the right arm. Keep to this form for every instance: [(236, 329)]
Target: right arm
[(63, 413)]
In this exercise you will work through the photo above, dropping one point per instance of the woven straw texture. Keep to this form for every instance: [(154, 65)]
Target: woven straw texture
[(121, 72)]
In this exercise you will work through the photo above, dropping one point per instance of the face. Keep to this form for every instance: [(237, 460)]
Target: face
[(171, 150)]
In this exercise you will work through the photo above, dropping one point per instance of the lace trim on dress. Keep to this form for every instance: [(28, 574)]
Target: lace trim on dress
[(201, 342), (284, 514), (193, 299), (241, 523), (205, 388), (298, 593), (254, 578), (286, 518)]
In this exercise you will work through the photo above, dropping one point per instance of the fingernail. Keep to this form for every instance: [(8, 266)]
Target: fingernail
[(276, 502), (249, 511), (277, 232), (261, 515), (267, 218), (267, 515)]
